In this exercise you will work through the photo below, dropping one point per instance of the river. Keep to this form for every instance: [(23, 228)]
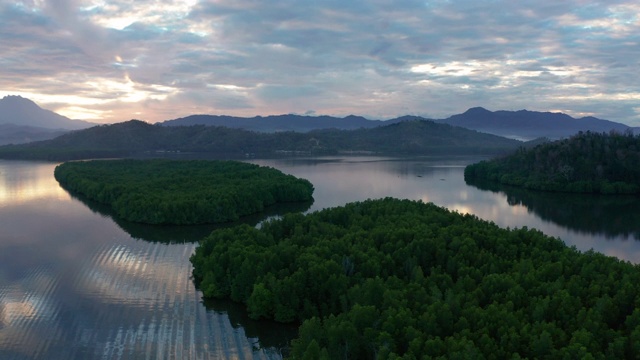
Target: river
[(75, 283)]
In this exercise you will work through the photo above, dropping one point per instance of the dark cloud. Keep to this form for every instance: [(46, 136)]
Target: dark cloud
[(164, 59)]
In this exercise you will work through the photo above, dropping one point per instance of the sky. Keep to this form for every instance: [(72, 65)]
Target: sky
[(111, 61)]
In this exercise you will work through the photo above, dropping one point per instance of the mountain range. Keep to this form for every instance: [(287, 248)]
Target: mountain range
[(276, 123), (22, 120), (527, 125), (522, 125)]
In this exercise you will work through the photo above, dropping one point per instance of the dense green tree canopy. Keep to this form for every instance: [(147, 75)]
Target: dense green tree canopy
[(181, 192), (585, 163), (403, 279)]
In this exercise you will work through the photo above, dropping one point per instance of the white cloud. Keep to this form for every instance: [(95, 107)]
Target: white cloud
[(164, 59)]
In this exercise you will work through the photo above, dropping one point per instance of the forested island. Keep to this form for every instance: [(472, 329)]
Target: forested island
[(136, 138), (395, 278), (585, 163), (181, 192)]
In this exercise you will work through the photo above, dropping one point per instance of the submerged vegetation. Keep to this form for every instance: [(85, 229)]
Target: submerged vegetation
[(398, 278), (181, 192), (585, 163)]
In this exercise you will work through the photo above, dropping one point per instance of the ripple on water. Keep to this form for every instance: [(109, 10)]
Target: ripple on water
[(130, 300)]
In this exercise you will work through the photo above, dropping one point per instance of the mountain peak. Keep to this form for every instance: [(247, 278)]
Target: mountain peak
[(476, 111), (17, 100), (13, 97), (17, 110), (526, 124)]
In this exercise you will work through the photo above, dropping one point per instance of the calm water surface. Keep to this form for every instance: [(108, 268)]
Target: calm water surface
[(607, 224), (77, 284)]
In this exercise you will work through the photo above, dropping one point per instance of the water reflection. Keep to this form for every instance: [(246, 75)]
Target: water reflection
[(76, 283), (339, 180), (612, 216), (441, 180), (274, 337), (186, 233), (23, 181)]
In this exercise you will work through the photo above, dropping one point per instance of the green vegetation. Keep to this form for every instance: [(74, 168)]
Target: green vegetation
[(173, 234), (585, 163), (395, 279), (181, 192), (136, 138)]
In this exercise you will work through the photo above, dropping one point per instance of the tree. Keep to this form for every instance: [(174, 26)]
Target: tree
[(260, 303)]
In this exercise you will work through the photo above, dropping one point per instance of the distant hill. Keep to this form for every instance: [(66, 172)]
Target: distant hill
[(422, 137), (527, 125), (275, 123), (19, 111), (137, 138), (522, 125), (18, 134)]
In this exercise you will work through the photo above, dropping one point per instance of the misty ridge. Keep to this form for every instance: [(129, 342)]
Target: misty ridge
[(23, 121), (522, 125)]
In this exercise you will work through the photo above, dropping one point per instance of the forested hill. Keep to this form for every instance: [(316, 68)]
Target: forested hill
[(133, 138), (19, 134), (273, 123), (521, 124), (587, 163), (421, 137)]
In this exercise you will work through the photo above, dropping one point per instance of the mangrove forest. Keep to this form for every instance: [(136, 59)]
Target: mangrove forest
[(392, 279), (606, 163), (181, 192)]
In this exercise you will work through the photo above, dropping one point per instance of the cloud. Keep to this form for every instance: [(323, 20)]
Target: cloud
[(165, 59)]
